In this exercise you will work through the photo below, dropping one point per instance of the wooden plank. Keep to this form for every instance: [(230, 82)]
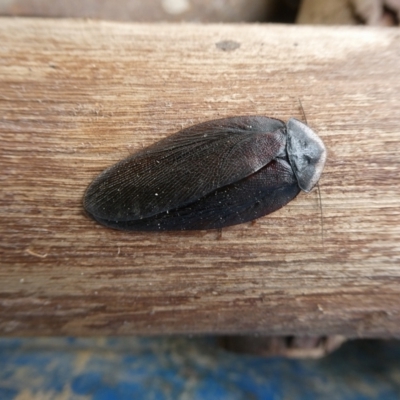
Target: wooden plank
[(76, 96)]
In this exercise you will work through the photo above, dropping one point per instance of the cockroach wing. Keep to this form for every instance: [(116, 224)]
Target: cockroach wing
[(261, 193), (185, 167)]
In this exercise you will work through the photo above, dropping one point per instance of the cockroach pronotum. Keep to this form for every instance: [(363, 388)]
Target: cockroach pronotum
[(209, 176)]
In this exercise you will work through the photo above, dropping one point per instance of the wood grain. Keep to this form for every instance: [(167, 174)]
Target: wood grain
[(76, 96)]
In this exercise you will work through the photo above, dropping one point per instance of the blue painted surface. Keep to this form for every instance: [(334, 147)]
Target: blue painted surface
[(194, 369)]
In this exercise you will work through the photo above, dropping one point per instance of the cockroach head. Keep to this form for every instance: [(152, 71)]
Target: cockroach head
[(307, 154)]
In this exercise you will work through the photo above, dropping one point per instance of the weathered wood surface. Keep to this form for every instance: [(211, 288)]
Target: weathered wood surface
[(76, 96)]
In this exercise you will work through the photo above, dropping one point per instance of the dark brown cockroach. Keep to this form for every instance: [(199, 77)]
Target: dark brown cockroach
[(209, 176)]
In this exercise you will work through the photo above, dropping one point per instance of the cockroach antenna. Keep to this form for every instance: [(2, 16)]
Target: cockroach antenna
[(318, 188), (302, 111)]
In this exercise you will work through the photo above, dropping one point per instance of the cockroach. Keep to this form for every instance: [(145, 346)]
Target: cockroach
[(209, 176)]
